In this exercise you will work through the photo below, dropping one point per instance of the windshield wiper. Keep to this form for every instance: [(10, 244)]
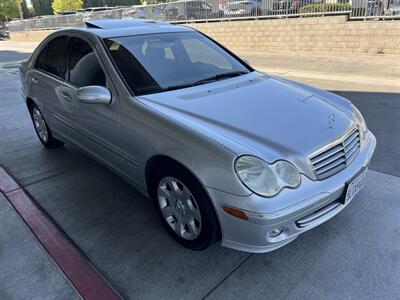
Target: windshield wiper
[(205, 80), (178, 86), (220, 76)]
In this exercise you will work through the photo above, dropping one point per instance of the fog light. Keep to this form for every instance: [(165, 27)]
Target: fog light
[(275, 232)]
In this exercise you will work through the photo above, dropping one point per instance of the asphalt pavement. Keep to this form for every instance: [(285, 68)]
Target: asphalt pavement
[(354, 255)]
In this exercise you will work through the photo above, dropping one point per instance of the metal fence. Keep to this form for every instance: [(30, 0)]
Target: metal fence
[(215, 10)]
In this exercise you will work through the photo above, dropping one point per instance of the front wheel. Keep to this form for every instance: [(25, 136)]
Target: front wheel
[(184, 208), (42, 129)]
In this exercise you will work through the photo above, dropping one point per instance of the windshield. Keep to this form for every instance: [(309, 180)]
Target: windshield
[(154, 63)]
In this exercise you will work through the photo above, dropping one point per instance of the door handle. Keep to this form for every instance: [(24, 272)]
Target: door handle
[(66, 96), (35, 80)]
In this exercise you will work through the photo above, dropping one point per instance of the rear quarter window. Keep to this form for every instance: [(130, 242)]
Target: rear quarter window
[(41, 60)]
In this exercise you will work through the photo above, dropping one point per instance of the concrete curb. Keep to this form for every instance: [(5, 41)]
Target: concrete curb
[(77, 269)]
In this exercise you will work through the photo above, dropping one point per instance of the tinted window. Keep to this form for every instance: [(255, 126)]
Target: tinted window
[(159, 62), (52, 59), (201, 53), (84, 67), (41, 60)]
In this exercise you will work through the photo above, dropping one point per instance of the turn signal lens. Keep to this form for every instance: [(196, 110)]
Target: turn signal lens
[(235, 212)]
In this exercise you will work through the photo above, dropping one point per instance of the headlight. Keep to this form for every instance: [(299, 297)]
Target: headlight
[(361, 122), (266, 179)]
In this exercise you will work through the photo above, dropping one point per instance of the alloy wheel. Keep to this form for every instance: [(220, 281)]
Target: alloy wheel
[(179, 208), (40, 125)]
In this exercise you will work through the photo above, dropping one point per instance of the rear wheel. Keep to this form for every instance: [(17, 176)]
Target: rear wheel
[(184, 207), (42, 129)]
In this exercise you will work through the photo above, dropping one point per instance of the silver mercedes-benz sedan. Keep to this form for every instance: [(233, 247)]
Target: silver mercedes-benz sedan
[(225, 152)]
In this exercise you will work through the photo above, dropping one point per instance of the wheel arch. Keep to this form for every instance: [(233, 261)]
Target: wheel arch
[(161, 160), (30, 103)]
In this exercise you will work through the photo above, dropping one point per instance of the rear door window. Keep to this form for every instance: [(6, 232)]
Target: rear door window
[(52, 59)]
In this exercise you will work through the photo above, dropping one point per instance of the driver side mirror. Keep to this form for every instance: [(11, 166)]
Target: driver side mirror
[(94, 94)]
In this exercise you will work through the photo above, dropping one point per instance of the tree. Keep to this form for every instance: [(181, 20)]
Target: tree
[(93, 3), (66, 5), (9, 9), (42, 7), (27, 12)]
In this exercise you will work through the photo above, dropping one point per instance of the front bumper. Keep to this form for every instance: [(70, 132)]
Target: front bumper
[(313, 203)]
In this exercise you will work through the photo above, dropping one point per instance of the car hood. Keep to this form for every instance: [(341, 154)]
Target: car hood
[(260, 115)]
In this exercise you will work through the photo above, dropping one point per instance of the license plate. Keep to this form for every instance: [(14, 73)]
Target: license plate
[(355, 185)]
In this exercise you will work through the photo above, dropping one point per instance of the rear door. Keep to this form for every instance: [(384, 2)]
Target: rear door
[(47, 78)]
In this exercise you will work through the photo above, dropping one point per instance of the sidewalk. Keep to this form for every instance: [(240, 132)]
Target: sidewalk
[(24, 47), (339, 72), (344, 72), (27, 272)]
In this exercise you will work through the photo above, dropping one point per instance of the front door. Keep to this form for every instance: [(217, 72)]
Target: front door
[(95, 127)]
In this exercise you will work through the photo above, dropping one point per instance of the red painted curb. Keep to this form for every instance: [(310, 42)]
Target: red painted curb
[(7, 184), (78, 270)]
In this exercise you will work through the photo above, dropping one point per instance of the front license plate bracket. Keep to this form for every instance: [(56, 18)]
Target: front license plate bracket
[(356, 183)]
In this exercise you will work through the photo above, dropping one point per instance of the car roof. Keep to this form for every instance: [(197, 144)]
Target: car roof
[(128, 27)]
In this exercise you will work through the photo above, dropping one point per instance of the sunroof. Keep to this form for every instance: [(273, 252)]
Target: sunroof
[(120, 23)]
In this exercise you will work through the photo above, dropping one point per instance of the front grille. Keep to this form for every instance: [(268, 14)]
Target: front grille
[(336, 157)]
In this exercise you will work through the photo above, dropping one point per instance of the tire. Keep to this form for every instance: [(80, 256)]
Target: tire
[(42, 129), (196, 212)]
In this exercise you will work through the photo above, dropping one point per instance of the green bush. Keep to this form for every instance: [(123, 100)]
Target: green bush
[(325, 7)]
